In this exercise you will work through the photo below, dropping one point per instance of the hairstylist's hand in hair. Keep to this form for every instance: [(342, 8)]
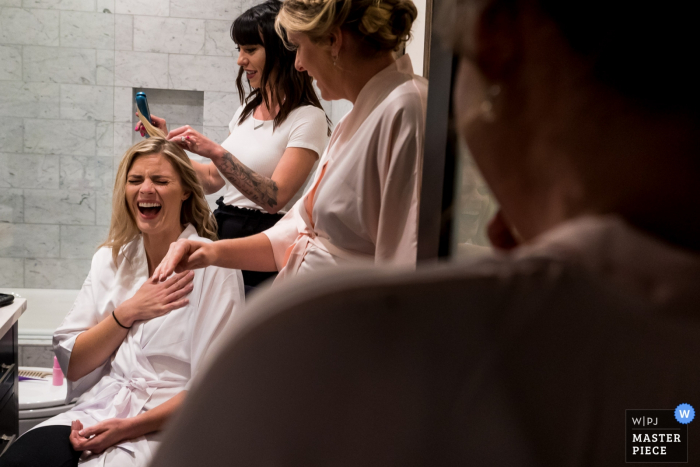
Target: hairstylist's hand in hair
[(193, 141), (184, 255), (157, 122)]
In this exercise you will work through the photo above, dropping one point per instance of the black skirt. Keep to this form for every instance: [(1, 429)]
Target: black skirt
[(237, 222)]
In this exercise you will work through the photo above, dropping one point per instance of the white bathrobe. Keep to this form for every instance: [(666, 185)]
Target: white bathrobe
[(366, 203), (158, 358)]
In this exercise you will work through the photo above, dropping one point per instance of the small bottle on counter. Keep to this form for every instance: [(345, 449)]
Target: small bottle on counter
[(57, 373)]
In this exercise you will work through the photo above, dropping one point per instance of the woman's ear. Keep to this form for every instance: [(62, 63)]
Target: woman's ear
[(335, 41), (186, 195)]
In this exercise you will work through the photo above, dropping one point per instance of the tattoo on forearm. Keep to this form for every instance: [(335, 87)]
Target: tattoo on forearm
[(261, 190)]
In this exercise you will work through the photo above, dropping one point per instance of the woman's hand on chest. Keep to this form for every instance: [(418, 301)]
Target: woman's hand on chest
[(154, 299)]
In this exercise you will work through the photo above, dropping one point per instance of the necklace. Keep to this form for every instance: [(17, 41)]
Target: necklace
[(258, 123)]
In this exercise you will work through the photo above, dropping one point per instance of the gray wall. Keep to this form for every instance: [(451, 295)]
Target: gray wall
[(67, 73)]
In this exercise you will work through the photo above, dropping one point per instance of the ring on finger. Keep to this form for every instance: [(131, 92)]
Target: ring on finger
[(182, 138)]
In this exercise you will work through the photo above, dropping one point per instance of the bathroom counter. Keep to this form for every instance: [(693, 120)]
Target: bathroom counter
[(10, 314)]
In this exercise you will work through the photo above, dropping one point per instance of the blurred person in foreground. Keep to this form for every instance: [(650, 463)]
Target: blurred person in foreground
[(583, 119)]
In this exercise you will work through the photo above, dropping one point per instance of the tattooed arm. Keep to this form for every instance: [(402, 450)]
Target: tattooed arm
[(270, 193)]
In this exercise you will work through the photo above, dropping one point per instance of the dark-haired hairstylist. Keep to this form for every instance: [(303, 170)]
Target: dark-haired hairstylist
[(276, 136)]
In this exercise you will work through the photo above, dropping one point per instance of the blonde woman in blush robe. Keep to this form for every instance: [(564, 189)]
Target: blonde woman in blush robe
[(130, 346), (363, 201)]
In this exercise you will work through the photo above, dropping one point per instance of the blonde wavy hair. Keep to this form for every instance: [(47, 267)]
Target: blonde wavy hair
[(195, 209), (383, 25)]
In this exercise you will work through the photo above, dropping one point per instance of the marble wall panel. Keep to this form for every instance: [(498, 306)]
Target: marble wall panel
[(141, 69), (211, 9), (10, 2), (105, 6), (123, 32), (32, 100), (123, 104), (59, 65), (55, 273), (104, 139), (216, 133), (202, 73), (173, 105), (28, 27), (28, 171), (87, 102), (10, 62), (11, 134), (59, 207), (39, 356), (87, 29), (219, 107), (339, 110), (218, 39), (68, 137), (29, 241), (139, 7), (105, 67), (104, 208), (11, 272), (122, 139), (82, 241), (11, 205), (72, 5), (86, 173), (174, 35)]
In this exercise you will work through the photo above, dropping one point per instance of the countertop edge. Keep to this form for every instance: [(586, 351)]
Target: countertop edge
[(10, 314)]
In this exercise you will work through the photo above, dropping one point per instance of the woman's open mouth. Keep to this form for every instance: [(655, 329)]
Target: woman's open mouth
[(149, 210), (250, 74)]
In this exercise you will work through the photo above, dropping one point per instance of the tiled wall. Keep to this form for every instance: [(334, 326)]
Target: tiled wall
[(67, 73)]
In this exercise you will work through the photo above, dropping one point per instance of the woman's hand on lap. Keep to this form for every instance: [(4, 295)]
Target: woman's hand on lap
[(156, 298), (100, 436), (195, 142), (184, 255)]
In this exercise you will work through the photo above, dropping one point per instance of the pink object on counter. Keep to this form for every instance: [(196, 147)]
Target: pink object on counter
[(57, 373)]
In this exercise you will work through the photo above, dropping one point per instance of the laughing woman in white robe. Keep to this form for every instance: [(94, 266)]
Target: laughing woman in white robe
[(363, 202), (129, 381)]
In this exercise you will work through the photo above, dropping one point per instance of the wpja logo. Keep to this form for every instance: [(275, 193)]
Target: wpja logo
[(658, 435)]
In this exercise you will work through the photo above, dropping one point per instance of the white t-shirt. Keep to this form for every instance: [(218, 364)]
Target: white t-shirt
[(256, 145)]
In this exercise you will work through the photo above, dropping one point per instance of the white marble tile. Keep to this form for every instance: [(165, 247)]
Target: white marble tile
[(210, 9), (216, 133), (55, 273), (11, 272), (339, 110), (10, 62), (28, 171), (59, 65), (59, 207), (72, 5), (104, 208), (174, 106), (123, 104), (218, 39), (123, 32), (40, 356), (29, 241), (86, 173), (219, 107), (28, 27), (122, 138), (87, 29), (202, 73), (139, 7), (175, 35), (105, 6), (104, 139), (10, 2), (141, 69), (68, 137), (11, 205), (105, 67), (29, 100), (81, 241), (11, 134), (87, 102)]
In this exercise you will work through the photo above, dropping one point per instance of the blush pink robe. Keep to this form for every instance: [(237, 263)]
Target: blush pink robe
[(365, 207)]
